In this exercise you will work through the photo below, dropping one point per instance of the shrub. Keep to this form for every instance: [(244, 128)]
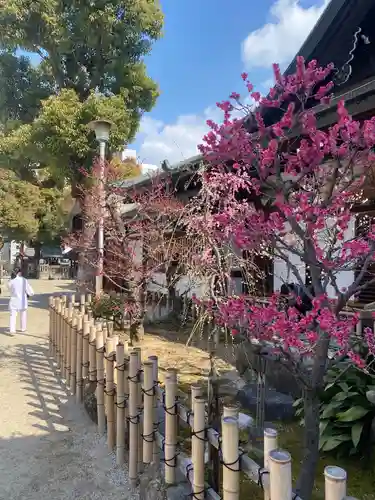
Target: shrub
[(109, 307), (346, 411)]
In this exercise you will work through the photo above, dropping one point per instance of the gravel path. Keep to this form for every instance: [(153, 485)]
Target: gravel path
[(49, 449)]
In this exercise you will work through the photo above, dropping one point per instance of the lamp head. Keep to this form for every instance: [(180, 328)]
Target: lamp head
[(101, 129)]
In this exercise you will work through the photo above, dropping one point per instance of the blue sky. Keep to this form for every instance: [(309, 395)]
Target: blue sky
[(206, 46)]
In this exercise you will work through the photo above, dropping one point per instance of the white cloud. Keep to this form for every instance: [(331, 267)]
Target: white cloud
[(178, 141), (279, 40), (174, 142)]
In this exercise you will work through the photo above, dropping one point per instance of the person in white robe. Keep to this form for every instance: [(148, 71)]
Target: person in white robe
[(20, 290)]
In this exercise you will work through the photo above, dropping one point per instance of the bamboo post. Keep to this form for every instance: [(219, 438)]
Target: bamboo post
[(57, 328), (199, 439), (231, 465), (68, 344), (110, 327), (140, 409), (121, 402), (51, 319), (126, 391), (231, 410), (58, 332), (280, 466), (148, 411), (269, 444), (105, 333), (72, 299), (83, 303), (196, 392), (73, 354), (85, 350), (110, 393), (133, 418), (92, 354), (156, 450), (115, 340), (79, 341), (335, 483), (58, 353), (89, 298), (170, 407), (64, 313), (100, 381)]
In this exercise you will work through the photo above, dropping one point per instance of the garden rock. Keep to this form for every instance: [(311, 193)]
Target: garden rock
[(278, 406)]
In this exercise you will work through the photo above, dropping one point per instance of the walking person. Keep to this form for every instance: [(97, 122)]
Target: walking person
[(20, 291)]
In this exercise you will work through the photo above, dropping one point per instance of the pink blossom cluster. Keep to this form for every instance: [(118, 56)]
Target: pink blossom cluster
[(290, 186)]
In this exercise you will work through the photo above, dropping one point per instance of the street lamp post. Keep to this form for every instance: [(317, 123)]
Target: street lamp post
[(101, 129)]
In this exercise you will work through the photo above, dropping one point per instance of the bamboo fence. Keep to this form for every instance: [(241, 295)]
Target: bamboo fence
[(130, 398)]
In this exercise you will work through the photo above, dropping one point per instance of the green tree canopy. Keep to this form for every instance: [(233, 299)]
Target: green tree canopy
[(91, 66), (29, 212)]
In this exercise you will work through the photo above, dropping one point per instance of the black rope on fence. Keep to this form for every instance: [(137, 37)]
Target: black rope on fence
[(134, 419), (121, 405), (261, 473), (169, 409), (204, 431), (168, 461), (110, 357), (232, 464), (136, 378), (197, 494), (149, 438), (149, 392), (111, 392)]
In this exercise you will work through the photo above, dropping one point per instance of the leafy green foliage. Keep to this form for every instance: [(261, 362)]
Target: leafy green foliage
[(24, 86), (108, 307), (29, 212), (346, 413), (91, 67)]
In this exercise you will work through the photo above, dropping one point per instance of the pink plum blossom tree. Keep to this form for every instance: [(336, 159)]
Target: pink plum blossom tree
[(289, 188)]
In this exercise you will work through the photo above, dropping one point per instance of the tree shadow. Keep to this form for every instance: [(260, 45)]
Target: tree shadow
[(50, 448)]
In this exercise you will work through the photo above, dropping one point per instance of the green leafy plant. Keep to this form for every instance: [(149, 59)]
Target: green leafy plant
[(346, 411), (109, 307)]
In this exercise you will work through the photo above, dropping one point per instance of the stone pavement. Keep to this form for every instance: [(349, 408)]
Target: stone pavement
[(48, 446)]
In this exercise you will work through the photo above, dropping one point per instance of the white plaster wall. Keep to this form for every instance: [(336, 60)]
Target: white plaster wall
[(344, 278), (283, 274)]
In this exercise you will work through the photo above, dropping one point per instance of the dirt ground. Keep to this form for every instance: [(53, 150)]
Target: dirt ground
[(49, 448)]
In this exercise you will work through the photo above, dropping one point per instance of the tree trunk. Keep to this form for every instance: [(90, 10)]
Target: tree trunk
[(305, 483)]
